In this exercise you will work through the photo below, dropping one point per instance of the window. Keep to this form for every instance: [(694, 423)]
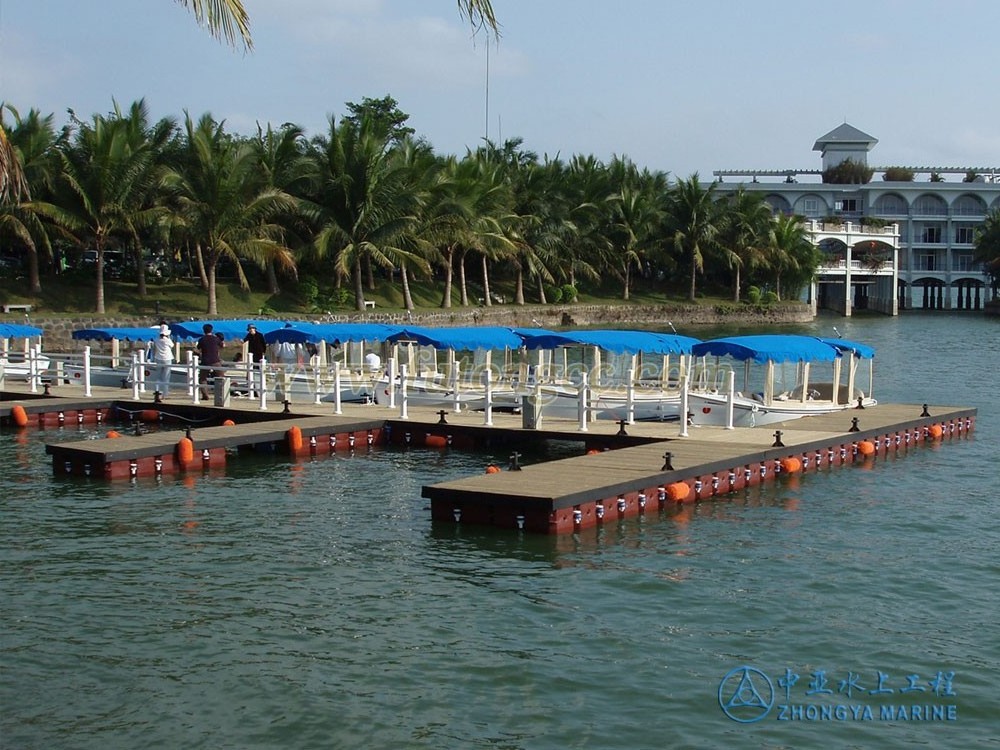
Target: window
[(931, 235), (811, 206), (962, 262), (924, 262), (965, 235), (847, 204)]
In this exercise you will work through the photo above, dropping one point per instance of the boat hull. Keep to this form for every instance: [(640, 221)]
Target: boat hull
[(711, 409)]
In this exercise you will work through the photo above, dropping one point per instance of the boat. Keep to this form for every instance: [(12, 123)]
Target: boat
[(783, 385), (449, 367), (21, 364), (325, 351), (630, 375)]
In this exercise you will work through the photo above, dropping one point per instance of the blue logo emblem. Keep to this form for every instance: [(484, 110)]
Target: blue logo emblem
[(746, 695)]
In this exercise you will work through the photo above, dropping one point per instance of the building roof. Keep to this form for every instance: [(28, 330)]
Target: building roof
[(845, 134)]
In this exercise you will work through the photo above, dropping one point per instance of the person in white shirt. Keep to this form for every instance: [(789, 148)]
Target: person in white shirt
[(373, 362), (163, 357)]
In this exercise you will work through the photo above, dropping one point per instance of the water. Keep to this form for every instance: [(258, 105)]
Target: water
[(315, 605)]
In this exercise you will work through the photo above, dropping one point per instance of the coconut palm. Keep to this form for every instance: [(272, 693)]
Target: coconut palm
[(745, 230), (33, 141), (695, 223), (222, 205), (362, 205), (102, 194), (284, 165), (988, 247), (792, 257), (637, 214)]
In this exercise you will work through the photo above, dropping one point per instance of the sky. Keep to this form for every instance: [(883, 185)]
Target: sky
[(677, 87)]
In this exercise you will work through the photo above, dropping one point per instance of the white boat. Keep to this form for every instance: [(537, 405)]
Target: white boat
[(21, 364), (787, 388), (630, 375), (449, 367)]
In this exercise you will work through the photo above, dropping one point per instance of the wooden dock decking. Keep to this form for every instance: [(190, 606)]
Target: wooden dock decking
[(627, 469)]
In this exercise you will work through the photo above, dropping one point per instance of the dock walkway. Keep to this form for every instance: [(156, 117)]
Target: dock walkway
[(623, 470)]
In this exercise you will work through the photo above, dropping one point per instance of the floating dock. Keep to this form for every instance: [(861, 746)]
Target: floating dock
[(622, 472)]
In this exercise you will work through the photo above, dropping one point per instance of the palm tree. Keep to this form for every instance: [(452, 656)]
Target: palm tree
[(791, 254), (102, 193), (362, 205), (34, 142), (988, 247), (695, 219), (285, 166), (745, 230), (222, 205), (224, 19)]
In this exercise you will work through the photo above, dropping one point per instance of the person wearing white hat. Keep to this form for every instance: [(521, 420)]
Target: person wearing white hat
[(163, 357)]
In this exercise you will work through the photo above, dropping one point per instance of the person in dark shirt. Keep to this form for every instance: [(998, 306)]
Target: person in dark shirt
[(255, 343), (209, 348)]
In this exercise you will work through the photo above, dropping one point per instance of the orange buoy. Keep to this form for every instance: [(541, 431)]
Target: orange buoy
[(294, 437), (866, 448), (113, 434), (593, 452), (935, 431), (149, 415), (185, 450), (791, 465), (678, 491), (19, 415), (492, 469), (436, 441), (229, 423)]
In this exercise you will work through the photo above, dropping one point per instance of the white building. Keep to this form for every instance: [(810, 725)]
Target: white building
[(917, 253)]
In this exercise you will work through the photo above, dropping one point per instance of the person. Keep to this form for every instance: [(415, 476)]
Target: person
[(163, 357), (255, 343), (209, 348), (373, 362)]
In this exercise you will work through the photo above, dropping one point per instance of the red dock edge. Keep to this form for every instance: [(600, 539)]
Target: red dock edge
[(541, 518)]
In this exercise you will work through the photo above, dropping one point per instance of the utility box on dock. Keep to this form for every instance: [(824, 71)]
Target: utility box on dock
[(531, 412), (222, 385)]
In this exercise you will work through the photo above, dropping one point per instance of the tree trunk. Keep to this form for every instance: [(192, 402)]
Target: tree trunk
[(213, 302), (272, 278), (404, 279), (486, 283), (100, 274), (461, 277), (359, 290), (369, 274), (449, 255), (628, 280), (200, 261), (140, 273), (34, 281), (694, 273), (736, 286)]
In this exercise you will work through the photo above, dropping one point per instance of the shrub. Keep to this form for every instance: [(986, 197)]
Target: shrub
[(569, 293), (769, 298), (753, 295), (553, 294), (898, 174), (309, 290)]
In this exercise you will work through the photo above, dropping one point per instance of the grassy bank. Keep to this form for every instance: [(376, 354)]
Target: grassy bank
[(75, 295)]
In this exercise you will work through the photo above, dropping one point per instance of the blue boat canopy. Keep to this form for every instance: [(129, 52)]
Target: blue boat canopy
[(461, 339), (18, 331), (144, 333), (774, 348), (858, 350), (313, 333), (617, 342)]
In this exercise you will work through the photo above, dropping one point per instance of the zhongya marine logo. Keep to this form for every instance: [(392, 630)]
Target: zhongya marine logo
[(746, 695)]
